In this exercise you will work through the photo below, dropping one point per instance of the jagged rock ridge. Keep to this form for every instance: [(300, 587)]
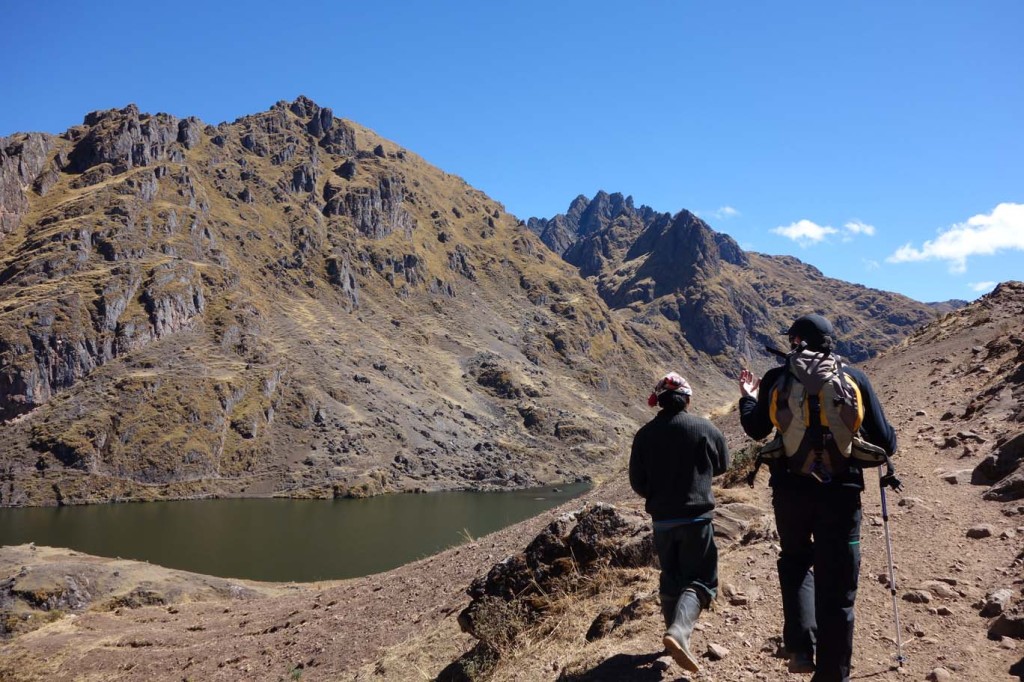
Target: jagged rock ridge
[(671, 279)]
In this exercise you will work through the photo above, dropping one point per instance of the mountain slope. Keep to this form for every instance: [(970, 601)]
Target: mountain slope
[(284, 304)]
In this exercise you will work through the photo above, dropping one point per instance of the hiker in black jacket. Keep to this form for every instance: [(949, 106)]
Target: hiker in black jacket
[(671, 464), (818, 520)]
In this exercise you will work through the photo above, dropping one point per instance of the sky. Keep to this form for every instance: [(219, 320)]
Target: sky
[(881, 142)]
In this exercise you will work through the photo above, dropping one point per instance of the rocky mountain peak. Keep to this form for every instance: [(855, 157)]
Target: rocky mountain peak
[(678, 275), (284, 303), (586, 217)]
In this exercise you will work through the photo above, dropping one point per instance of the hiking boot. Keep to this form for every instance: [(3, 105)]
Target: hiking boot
[(801, 663), (668, 609), (677, 637)]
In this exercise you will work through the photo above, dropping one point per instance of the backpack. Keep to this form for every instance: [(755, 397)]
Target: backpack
[(817, 410)]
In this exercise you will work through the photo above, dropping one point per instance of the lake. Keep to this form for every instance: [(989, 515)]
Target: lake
[(280, 539)]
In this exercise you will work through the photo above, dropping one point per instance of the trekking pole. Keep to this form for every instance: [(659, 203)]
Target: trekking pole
[(889, 479)]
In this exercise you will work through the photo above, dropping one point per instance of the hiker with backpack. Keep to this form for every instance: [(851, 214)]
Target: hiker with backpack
[(672, 461), (829, 425)]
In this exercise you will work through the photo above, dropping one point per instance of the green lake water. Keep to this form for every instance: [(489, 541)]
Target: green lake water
[(277, 539)]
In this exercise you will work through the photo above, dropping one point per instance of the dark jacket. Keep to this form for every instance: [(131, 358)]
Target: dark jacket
[(672, 461), (875, 428)]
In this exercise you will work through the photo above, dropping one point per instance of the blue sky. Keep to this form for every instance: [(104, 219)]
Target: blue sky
[(881, 142)]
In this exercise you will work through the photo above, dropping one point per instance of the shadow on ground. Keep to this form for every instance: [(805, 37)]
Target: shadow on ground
[(624, 667), (1018, 669)]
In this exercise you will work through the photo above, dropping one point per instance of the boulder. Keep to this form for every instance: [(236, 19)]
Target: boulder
[(1004, 460), (980, 532), (1007, 490), (1009, 624), (996, 603), (516, 591)]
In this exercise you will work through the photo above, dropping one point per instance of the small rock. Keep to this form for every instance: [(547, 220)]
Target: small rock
[(716, 652), (970, 435), (918, 597), (940, 589), (940, 675), (944, 611), (1008, 643), (662, 664), (1007, 535), (910, 502), (979, 532), (958, 477), (920, 413), (876, 520), (996, 603)]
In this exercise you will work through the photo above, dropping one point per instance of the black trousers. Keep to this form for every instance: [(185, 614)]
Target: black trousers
[(819, 531), (689, 560)]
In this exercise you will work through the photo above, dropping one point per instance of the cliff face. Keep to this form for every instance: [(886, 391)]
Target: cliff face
[(286, 303), (675, 282)]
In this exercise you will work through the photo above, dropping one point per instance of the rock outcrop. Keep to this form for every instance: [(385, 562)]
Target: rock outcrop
[(521, 590), (22, 161)]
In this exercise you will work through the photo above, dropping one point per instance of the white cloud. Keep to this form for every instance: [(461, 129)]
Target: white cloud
[(857, 227), (805, 232), (981, 235), (982, 287), (722, 213), (871, 264)]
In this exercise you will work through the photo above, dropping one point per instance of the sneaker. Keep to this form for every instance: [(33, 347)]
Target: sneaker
[(801, 664)]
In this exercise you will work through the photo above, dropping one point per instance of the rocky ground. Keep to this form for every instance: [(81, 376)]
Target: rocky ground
[(953, 391)]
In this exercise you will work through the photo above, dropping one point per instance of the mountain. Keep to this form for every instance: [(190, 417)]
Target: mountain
[(674, 281), (285, 304), (289, 304), (943, 307)]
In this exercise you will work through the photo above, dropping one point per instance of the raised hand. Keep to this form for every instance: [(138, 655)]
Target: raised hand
[(749, 384)]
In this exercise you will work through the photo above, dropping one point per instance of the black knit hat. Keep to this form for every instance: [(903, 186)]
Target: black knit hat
[(814, 329)]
